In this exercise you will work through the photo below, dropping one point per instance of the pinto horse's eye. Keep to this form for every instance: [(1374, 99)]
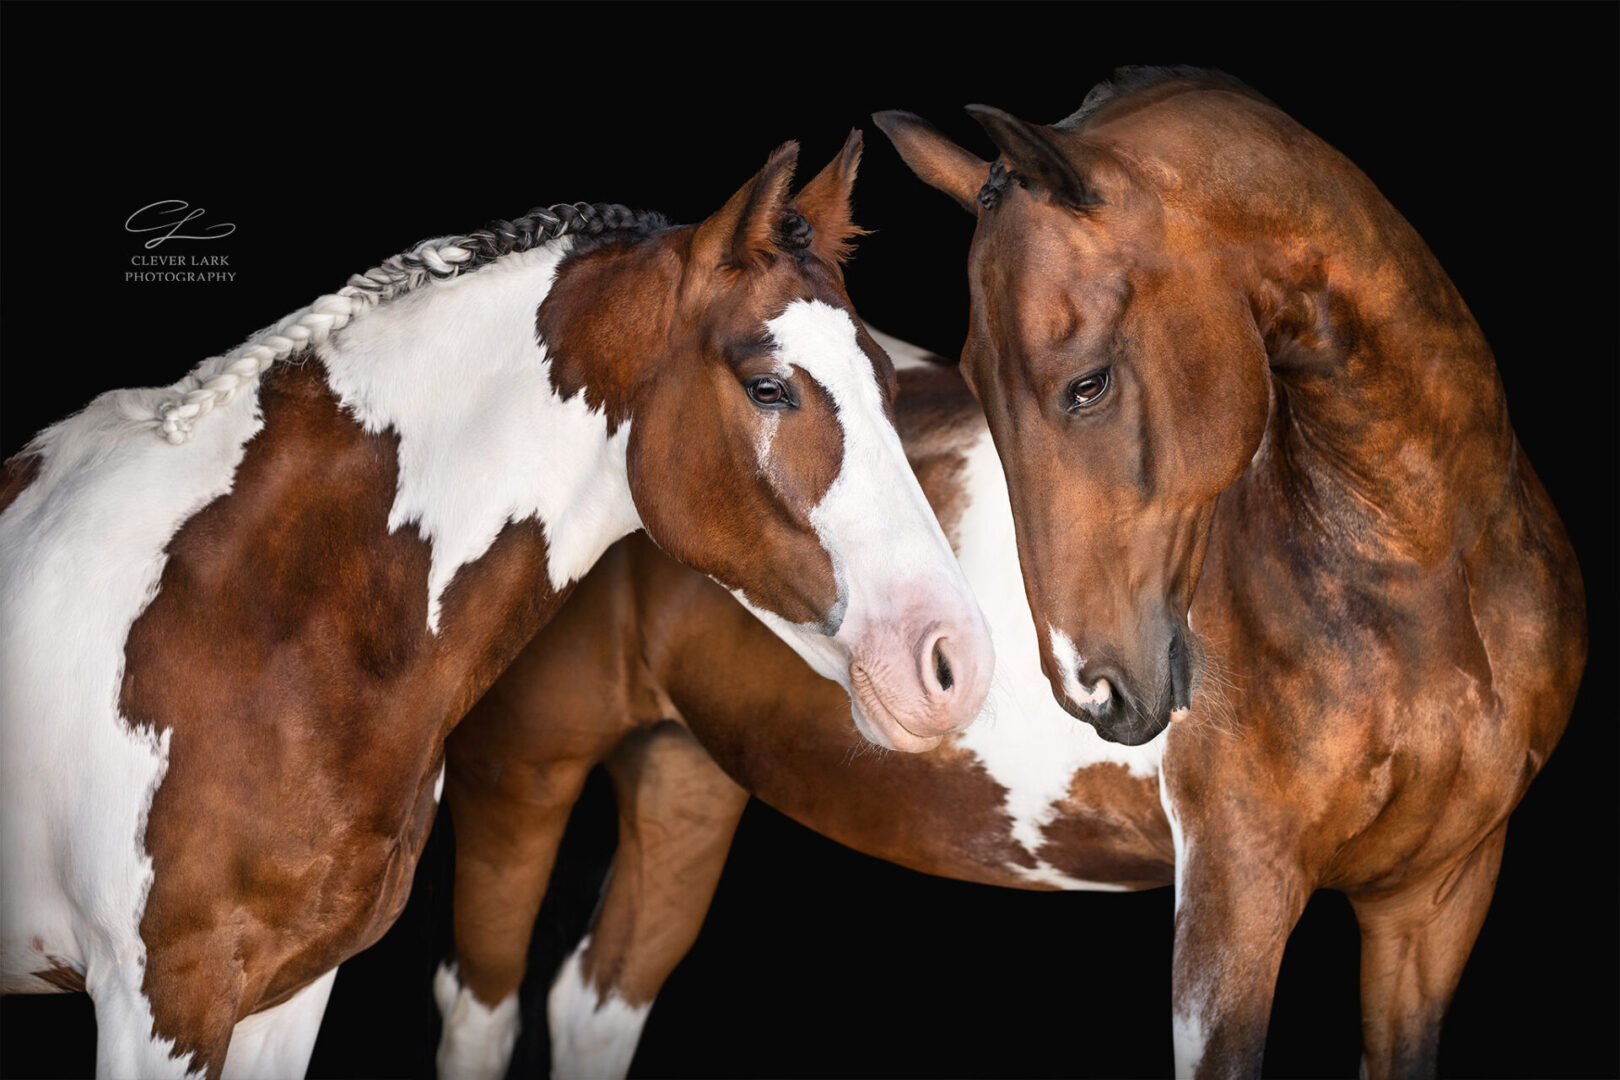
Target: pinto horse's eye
[(1087, 390), (769, 392)]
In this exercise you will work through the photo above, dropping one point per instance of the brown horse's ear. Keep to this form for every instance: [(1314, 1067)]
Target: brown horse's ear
[(936, 160), (742, 231), (1033, 152), (824, 203)]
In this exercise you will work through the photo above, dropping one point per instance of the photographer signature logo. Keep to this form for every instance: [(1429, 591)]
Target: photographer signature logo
[(174, 219), (161, 217)]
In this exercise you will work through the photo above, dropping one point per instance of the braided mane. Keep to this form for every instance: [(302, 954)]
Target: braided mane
[(216, 380)]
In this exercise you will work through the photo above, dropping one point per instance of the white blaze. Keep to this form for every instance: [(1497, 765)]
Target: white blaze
[(869, 549)]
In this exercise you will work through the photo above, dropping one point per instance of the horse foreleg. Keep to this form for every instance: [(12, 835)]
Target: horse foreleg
[(1235, 907), (1413, 946), (278, 1041), (507, 835), (677, 814), (128, 1043)]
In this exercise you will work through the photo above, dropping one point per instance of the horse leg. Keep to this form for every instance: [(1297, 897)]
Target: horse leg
[(506, 842), (677, 814), (127, 1046), (1236, 904), (1413, 946), (278, 1041)]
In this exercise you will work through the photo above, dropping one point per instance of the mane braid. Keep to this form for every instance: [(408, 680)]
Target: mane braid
[(216, 380)]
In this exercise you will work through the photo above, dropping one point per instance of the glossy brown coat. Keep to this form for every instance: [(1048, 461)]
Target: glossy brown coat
[(1305, 454)]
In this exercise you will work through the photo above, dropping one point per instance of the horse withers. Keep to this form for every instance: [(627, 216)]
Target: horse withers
[(1267, 497), (241, 614)]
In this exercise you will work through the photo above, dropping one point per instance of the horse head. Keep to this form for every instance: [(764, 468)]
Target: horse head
[(1116, 355), (762, 449)]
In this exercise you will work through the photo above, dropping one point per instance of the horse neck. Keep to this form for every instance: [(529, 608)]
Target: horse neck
[(456, 370), (1388, 425)]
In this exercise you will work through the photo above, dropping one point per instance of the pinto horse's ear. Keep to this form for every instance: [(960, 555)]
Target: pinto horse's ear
[(742, 231), (1033, 151), (824, 203), (936, 160)]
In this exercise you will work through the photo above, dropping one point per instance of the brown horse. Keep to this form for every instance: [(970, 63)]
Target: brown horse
[(231, 654), (640, 670), (1234, 391)]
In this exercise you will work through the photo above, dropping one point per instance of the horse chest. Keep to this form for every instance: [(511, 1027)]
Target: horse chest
[(1379, 741)]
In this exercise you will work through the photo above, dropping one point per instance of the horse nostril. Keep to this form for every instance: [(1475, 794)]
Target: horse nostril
[(942, 668)]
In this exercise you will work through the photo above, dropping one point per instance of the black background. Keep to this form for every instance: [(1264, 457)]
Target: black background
[(334, 136)]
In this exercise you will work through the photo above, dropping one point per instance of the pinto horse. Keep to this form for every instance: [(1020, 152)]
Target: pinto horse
[(241, 614), (1234, 391), (630, 675)]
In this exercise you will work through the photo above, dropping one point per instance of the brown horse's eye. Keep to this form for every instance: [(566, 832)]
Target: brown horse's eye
[(769, 392), (1087, 390)]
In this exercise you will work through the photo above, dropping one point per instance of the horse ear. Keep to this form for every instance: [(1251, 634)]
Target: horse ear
[(824, 203), (1033, 151), (936, 160), (742, 230)]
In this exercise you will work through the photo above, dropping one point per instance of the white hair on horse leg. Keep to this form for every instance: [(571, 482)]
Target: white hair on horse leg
[(1187, 1033), (1186, 1021), (593, 1037), (477, 1040), (279, 1041), (125, 1043)]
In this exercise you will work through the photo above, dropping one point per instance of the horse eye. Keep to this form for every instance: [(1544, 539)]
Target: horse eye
[(767, 391), (1087, 390)]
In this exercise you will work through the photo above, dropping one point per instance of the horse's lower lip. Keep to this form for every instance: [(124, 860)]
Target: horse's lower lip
[(880, 716)]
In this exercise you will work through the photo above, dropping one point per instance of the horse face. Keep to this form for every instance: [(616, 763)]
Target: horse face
[(763, 452), (1126, 388)]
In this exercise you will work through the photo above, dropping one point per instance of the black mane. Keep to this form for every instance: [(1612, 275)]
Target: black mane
[(1130, 80)]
